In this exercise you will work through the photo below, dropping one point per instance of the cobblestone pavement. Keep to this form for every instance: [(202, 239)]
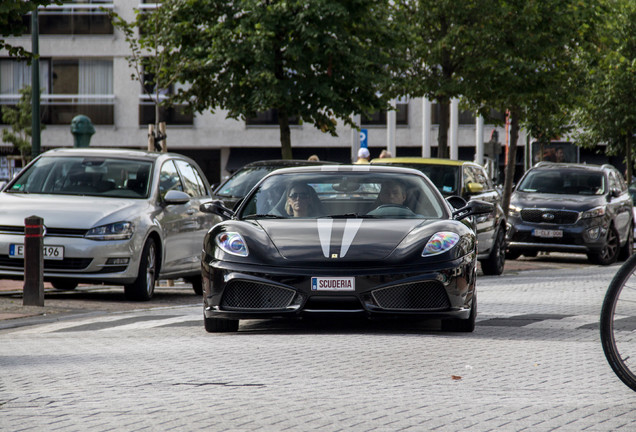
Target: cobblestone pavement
[(534, 363)]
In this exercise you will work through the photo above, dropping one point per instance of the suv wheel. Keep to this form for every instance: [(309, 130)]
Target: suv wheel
[(609, 254), (494, 264)]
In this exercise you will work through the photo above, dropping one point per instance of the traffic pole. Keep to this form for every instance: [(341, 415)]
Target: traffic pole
[(33, 291)]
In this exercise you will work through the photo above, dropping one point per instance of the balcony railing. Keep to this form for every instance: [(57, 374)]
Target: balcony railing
[(59, 109), (72, 19)]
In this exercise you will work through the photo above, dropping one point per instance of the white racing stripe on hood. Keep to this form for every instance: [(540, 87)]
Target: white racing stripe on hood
[(351, 229), (324, 233)]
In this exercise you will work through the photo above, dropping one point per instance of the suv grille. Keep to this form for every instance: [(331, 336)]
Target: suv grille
[(549, 216)]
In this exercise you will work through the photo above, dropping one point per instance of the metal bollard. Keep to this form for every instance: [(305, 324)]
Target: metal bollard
[(33, 291)]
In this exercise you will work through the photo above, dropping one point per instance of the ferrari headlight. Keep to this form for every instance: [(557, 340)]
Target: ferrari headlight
[(114, 231), (595, 212), (440, 242), (232, 243)]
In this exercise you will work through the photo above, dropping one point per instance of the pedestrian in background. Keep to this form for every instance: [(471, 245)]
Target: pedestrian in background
[(363, 156), (313, 158), (385, 154)]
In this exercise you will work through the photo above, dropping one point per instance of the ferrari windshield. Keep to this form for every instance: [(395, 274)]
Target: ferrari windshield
[(568, 182), (344, 194), (81, 175)]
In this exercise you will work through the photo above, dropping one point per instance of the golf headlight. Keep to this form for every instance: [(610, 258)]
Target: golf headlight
[(440, 242), (232, 243), (595, 212), (114, 231)]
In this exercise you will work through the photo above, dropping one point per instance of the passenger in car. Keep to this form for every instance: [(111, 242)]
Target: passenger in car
[(302, 201)]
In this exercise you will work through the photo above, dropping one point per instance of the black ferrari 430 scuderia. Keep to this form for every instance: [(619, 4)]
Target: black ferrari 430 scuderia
[(372, 240)]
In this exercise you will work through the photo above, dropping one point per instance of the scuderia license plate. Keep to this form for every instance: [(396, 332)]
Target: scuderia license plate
[(333, 284)]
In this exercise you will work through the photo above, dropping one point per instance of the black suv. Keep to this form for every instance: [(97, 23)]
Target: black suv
[(571, 208)]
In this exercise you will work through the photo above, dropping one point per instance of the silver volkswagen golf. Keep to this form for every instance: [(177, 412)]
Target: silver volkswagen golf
[(124, 217)]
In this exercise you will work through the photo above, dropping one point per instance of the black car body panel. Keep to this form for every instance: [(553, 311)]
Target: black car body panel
[(345, 264)]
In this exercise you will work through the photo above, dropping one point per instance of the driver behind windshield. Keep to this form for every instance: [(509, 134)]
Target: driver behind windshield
[(392, 192)]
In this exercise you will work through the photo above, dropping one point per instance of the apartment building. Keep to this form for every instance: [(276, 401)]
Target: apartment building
[(83, 70)]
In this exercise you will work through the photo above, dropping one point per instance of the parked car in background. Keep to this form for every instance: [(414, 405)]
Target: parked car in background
[(572, 208), (316, 241), (123, 217), (469, 181), (243, 180)]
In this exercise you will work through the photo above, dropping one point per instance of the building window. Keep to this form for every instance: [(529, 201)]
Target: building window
[(174, 115), (465, 117), (73, 17), (269, 118), (379, 118), (69, 87)]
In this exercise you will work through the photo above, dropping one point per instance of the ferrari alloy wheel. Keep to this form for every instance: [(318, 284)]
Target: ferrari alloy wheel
[(219, 325), (144, 286)]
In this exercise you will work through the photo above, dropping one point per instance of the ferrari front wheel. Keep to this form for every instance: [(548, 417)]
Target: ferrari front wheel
[(462, 325), (220, 325)]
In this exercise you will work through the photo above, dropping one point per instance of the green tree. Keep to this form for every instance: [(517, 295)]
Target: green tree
[(11, 23), (321, 60), (19, 121), (532, 69), (607, 111), (446, 41), (150, 55)]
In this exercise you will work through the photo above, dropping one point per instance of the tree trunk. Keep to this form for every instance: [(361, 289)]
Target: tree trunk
[(442, 137), (285, 134), (628, 160), (512, 157)]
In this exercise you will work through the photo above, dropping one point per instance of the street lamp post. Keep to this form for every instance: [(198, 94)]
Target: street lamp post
[(35, 86)]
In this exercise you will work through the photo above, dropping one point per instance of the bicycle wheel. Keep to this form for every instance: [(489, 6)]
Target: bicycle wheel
[(618, 323)]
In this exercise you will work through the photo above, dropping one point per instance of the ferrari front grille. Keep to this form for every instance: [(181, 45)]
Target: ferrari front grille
[(241, 295), (427, 295)]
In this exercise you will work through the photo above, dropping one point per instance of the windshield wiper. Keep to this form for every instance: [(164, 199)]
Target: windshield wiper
[(264, 216)]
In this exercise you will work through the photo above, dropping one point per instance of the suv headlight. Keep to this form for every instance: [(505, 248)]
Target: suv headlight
[(514, 211), (114, 231), (595, 212)]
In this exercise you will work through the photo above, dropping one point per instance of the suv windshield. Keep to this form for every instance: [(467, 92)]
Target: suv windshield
[(566, 182), (243, 181)]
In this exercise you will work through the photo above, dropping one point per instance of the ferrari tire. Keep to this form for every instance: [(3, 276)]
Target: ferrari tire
[(64, 284), (494, 264), (220, 325), (144, 286), (462, 325)]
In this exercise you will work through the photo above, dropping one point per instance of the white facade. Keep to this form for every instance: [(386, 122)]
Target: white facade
[(212, 131)]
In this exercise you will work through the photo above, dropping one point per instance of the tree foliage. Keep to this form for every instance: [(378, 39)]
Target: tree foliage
[(607, 113), (532, 69), (19, 121), (321, 60), (447, 42), (11, 23)]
